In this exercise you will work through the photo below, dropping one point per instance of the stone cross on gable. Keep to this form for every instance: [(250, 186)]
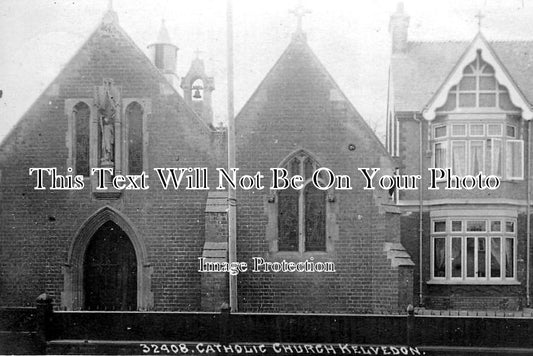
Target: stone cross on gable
[(299, 11), (197, 53), (479, 17)]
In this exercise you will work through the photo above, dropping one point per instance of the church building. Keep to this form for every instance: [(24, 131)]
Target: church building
[(115, 115)]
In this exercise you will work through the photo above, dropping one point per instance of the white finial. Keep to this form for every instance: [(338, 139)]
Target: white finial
[(479, 17), (299, 11)]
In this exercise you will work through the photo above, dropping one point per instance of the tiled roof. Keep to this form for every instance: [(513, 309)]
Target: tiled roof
[(419, 72)]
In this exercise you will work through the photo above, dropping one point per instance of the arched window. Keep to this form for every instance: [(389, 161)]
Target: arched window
[(134, 116), (82, 114), (302, 213)]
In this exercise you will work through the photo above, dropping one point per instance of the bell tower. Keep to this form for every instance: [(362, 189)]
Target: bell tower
[(197, 88), (164, 55)]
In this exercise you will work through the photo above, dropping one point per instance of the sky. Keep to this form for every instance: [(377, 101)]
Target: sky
[(350, 37)]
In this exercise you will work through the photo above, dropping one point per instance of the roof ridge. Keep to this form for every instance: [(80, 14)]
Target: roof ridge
[(439, 41)]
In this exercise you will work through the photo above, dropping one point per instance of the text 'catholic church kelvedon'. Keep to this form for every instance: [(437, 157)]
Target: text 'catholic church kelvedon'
[(113, 107)]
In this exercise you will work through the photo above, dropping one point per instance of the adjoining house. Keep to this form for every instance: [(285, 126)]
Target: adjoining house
[(466, 107)]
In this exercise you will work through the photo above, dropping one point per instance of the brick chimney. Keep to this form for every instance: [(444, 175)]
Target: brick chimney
[(398, 26)]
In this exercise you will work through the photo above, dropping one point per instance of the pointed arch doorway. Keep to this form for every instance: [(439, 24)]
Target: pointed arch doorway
[(107, 266), (110, 270)]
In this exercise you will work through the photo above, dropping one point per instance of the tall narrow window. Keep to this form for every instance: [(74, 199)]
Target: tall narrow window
[(134, 116), (315, 218), (440, 155), (515, 159), (439, 257), (82, 116), (496, 157), (459, 157), (477, 157), (302, 213), (288, 221), (456, 262)]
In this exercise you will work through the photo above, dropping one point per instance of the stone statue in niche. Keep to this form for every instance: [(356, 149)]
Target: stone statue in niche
[(108, 138), (107, 103)]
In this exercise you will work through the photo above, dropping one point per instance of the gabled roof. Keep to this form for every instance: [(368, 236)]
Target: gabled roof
[(424, 67), (90, 56), (298, 58)]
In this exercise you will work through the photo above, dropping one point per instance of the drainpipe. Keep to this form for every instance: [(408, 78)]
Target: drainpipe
[(232, 198), (528, 212), (420, 207)]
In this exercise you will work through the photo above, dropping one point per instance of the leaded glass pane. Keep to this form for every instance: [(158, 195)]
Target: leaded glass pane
[(509, 258), (294, 167), (481, 257), (468, 69), (467, 100), (439, 257), (134, 116), (514, 159), (459, 157), (494, 129), (470, 257), (440, 131), (82, 115), (467, 83), (450, 102), (487, 83), (288, 230), (509, 226), (495, 257), (495, 226), (457, 226), (459, 130), (315, 219), (510, 131), (308, 168), (439, 226), (496, 157), (487, 100), (477, 130), (440, 155), (456, 257), (488, 68), (505, 101), (476, 157), (475, 225)]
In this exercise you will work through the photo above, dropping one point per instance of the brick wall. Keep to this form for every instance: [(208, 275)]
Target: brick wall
[(299, 107), (37, 228)]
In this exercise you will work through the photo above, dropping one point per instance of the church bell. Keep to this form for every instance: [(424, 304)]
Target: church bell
[(197, 94)]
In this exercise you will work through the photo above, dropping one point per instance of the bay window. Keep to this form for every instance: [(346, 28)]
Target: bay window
[(473, 250), (475, 148), (478, 128)]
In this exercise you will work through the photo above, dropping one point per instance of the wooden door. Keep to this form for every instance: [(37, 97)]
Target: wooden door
[(110, 270)]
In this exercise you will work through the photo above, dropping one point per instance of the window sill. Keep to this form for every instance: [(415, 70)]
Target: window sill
[(318, 256), (506, 282)]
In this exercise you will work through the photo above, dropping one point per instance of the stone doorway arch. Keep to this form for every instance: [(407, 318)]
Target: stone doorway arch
[(72, 297)]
